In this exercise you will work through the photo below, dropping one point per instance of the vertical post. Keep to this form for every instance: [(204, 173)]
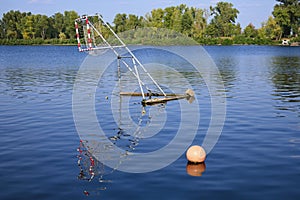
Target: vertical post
[(120, 96), (119, 74), (88, 32), (138, 77), (119, 69), (133, 56), (77, 36)]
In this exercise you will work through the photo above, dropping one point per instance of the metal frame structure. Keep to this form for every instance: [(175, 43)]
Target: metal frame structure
[(89, 30)]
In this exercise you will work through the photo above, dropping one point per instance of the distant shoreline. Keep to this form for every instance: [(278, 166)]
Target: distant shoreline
[(73, 45), (208, 42)]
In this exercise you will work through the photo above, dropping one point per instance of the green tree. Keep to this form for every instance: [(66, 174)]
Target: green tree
[(42, 25), (199, 24), (120, 22), (250, 31), (58, 23), (186, 22), (287, 15), (155, 19), (69, 18), (133, 22), (223, 22), (2, 30), (28, 27), (167, 18), (176, 20), (270, 29), (237, 29), (11, 22), (98, 24)]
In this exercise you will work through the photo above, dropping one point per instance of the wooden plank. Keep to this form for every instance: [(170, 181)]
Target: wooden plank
[(189, 95), (162, 100)]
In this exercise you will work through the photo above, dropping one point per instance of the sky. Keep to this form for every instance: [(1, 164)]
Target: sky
[(254, 11)]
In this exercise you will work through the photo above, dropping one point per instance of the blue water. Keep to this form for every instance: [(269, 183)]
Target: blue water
[(256, 157)]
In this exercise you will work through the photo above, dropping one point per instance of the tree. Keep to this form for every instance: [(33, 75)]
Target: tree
[(98, 24), (62, 36), (42, 25), (199, 24), (69, 18), (167, 18), (133, 22), (223, 22), (155, 19), (176, 20), (270, 29), (186, 22), (2, 30), (27, 27), (250, 31), (120, 22), (11, 22), (237, 29), (287, 15), (58, 23)]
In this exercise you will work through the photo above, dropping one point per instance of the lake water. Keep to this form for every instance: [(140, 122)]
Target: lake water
[(256, 157)]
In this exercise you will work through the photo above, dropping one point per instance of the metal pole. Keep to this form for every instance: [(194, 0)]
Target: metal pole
[(117, 54), (88, 32), (77, 36), (111, 47), (140, 64), (138, 77)]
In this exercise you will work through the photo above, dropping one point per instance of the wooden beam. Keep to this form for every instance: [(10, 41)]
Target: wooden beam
[(162, 100), (139, 94), (189, 95)]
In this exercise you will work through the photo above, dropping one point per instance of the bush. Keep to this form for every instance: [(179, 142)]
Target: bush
[(296, 39), (208, 41), (226, 41), (38, 41)]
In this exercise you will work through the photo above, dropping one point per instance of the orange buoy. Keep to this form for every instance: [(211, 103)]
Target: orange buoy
[(196, 154)]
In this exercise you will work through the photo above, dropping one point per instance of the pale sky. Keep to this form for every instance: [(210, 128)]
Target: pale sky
[(255, 11)]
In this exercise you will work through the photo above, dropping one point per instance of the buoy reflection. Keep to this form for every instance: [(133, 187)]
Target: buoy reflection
[(195, 169)]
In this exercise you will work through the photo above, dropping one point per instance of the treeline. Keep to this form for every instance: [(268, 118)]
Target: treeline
[(217, 25), (26, 28)]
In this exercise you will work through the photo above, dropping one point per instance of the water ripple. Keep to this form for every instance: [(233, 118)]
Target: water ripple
[(256, 157)]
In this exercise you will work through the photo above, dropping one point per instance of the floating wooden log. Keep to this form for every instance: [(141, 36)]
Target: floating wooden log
[(161, 100), (188, 92), (139, 94), (189, 95)]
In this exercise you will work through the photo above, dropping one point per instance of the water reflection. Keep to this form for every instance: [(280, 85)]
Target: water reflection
[(90, 169), (285, 75), (228, 69), (195, 169)]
